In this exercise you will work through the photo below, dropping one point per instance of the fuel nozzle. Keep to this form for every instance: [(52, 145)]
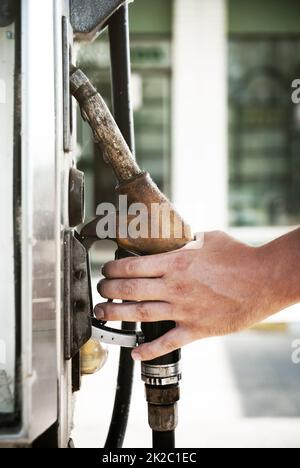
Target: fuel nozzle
[(161, 375)]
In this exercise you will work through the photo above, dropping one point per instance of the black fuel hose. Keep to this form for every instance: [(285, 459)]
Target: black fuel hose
[(119, 420), (122, 109), (163, 440)]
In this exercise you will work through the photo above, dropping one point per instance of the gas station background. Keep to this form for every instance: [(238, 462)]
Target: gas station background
[(216, 127)]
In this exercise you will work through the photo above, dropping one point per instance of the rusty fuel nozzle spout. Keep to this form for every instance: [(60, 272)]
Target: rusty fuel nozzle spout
[(106, 132), (133, 182)]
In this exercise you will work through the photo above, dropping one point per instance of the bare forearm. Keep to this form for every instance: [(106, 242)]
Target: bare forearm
[(282, 265)]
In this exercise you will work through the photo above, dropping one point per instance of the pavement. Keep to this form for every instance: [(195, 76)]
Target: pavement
[(241, 391)]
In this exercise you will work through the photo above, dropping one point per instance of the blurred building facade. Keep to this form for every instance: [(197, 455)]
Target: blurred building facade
[(264, 125), (214, 120), (216, 127)]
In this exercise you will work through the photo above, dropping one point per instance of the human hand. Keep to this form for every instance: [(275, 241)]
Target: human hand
[(214, 289)]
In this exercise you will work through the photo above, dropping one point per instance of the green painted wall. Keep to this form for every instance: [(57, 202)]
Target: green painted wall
[(264, 16), (151, 16), (244, 16)]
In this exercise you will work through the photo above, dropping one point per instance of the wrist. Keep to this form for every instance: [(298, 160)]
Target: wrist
[(280, 262)]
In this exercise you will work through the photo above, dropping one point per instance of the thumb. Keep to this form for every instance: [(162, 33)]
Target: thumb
[(171, 341)]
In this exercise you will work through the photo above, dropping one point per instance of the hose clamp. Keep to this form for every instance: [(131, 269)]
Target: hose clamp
[(169, 374)]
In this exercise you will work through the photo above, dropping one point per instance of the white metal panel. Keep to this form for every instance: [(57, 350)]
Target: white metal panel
[(7, 310), (39, 222)]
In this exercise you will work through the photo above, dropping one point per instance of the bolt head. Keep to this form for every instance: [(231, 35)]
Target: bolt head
[(80, 275), (9, 35)]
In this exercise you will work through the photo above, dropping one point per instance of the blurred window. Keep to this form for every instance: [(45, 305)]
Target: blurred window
[(264, 127)]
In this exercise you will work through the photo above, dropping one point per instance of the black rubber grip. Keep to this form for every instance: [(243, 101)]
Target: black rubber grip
[(155, 330)]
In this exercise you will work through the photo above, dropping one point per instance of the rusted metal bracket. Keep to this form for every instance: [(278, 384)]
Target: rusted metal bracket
[(89, 17), (77, 296)]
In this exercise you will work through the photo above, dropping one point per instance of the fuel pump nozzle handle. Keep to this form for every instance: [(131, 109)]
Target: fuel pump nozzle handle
[(163, 374)]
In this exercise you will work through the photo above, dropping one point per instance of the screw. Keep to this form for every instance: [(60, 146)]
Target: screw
[(80, 275)]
